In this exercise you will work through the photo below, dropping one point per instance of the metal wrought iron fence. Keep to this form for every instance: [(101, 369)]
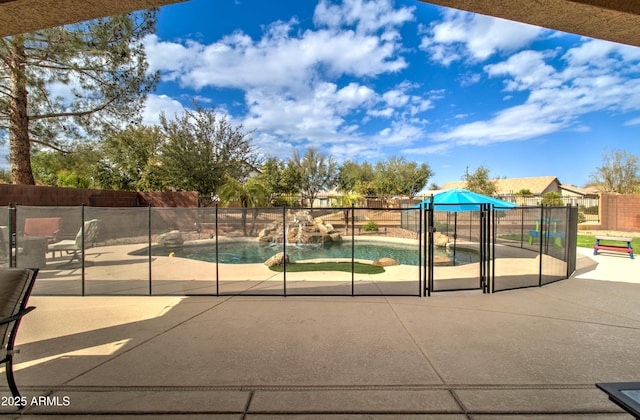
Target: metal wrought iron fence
[(222, 251)]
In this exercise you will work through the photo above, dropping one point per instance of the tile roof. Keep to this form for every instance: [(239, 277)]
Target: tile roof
[(537, 185)]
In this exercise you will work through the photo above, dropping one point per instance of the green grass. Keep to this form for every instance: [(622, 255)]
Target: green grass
[(359, 268), (584, 241), (588, 241)]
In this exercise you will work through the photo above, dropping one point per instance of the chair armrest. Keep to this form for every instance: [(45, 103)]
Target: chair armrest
[(18, 315)]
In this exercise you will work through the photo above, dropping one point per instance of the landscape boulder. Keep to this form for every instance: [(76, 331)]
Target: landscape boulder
[(279, 259), (440, 239), (171, 239), (441, 260), (385, 262)]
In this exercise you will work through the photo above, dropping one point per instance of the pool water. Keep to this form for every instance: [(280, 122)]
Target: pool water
[(253, 253)]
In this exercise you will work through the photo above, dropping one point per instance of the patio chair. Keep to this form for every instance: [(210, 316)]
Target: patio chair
[(48, 227), (15, 288), (74, 246)]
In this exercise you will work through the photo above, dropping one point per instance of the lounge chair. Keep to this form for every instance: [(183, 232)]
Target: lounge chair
[(74, 246), (15, 288)]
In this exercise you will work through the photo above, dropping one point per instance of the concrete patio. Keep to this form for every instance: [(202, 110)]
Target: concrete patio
[(457, 355)]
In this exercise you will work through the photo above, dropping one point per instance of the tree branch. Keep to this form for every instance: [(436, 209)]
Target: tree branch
[(71, 114), (49, 145)]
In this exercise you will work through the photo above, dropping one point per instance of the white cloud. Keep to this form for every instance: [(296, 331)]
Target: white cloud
[(396, 98), (158, 104), (382, 113), (366, 16), (172, 58), (526, 70), (401, 133), (281, 59), (635, 121), (461, 35), (594, 76)]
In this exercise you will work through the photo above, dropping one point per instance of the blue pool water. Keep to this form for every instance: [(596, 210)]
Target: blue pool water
[(252, 253)]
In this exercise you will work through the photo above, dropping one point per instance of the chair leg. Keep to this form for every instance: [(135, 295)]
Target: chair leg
[(74, 256), (11, 381)]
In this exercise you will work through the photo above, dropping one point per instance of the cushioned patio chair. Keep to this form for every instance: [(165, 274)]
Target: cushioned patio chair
[(74, 246), (48, 227), (15, 288)]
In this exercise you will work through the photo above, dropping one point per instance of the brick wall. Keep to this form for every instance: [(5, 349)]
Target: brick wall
[(37, 195), (620, 212)]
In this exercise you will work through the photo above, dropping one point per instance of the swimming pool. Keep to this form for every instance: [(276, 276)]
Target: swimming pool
[(256, 252)]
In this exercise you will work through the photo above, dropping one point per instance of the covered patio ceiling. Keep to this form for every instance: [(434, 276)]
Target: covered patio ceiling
[(19, 16), (613, 20)]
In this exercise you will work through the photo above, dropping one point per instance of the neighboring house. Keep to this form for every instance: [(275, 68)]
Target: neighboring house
[(538, 186)]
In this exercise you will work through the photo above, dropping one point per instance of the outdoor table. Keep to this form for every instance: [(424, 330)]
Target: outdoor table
[(624, 394), (34, 252)]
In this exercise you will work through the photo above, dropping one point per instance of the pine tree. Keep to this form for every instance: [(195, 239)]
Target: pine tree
[(71, 83)]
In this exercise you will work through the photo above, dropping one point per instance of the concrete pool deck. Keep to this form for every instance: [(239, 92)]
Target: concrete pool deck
[(526, 354), (122, 270)]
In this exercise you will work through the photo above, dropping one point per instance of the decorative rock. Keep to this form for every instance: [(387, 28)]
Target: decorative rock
[(441, 260), (278, 259), (385, 262), (335, 237), (322, 229), (171, 239), (440, 239), (301, 228)]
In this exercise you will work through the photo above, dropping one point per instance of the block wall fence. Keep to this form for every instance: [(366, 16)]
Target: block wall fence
[(620, 212), (36, 195)]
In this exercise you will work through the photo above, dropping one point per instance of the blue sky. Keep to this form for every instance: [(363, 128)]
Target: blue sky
[(364, 80)]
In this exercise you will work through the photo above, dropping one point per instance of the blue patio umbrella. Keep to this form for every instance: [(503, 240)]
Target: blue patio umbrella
[(458, 199)]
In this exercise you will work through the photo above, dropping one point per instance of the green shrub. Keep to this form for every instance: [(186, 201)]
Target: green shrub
[(552, 198), (581, 217), (371, 226)]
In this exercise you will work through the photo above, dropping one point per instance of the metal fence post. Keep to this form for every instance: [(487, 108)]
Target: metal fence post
[(421, 290), (217, 254), (430, 231), (149, 241), (483, 245), (82, 274), (541, 250), (493, 233), (284, 250), (353, 250), (12, 234)]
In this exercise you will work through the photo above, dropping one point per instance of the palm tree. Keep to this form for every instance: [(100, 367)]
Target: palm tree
[(253, 193), (345, 201)]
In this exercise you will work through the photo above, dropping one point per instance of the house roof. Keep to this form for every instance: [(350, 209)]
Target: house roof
[(537, 185), (577, 190)]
